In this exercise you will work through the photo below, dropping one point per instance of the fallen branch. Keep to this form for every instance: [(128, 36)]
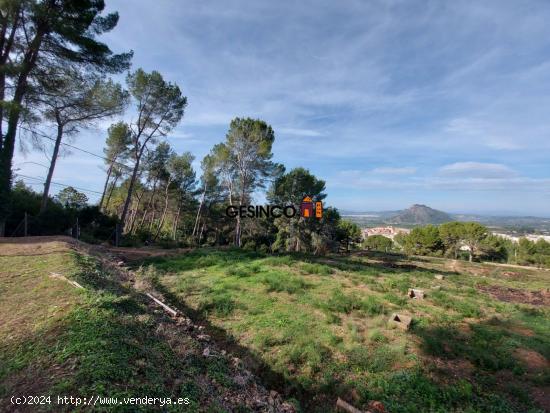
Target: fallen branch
[(62, 277), (168, 309), (346, 407)]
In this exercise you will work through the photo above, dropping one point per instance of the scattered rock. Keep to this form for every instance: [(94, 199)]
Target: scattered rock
[(439, 276), (436, 287), (203, 337), (417, 294), (402, 321), (206, 352), (240, 380), (376, 406)]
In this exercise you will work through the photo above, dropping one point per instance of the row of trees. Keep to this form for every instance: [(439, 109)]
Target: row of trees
[(52, 70), (163, 198), (54, 75), (454, 239)]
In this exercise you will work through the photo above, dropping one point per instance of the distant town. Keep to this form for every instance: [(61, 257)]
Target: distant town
[(391, 223)]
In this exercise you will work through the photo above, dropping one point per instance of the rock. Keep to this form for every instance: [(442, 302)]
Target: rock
[(402, 321), (439, 276), (417, 294), (240, 380), (203, 337), (436, 287), (206, 352), (376, 406)]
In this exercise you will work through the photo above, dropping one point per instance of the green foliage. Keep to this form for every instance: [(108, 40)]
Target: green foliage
[(312, 268), (424, 241), (378, 243), (348, 233), (71, 198), (282, 281), (449, 237), (292, 187)]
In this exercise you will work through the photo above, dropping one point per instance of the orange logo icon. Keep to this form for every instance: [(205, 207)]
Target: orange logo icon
[(306, 208)]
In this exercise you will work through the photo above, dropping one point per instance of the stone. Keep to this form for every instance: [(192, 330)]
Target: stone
[(203, 337), (417, 294), (402, 321), (376, 406), (439, 276)]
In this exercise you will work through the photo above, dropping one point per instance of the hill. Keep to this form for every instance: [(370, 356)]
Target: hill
[(420, 214)]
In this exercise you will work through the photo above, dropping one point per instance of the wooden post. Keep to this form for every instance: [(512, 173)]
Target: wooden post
[(25, 225)]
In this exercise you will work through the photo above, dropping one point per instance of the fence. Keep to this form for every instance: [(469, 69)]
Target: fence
[(32, 226)]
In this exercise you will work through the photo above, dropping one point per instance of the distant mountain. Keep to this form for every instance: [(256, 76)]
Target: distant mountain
[(420, 215)]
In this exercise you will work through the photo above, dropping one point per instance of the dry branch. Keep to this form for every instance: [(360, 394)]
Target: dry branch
[(168, 309)]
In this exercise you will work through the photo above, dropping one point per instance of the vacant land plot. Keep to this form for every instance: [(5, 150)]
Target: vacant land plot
[(318, 328), (105, 340)]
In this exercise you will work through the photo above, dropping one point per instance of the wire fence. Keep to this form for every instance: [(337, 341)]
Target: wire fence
[(33, 226)]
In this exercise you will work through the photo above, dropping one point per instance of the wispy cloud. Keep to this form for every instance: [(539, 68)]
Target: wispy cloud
[(299, 132), (478, 170), (451, 97), (408, 170)]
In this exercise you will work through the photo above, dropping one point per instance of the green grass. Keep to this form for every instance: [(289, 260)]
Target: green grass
[(57, 340), (320, 323)]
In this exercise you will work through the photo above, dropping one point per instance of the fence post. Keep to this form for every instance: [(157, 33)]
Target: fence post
[(117, 234), (77, 229), (25, 225)]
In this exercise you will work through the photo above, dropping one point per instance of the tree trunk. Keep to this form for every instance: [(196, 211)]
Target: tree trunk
[(134, 212), (8, 141), (109, 171), (113, 186), (238, 229), (149, 204), (131, 188), (163, 217), (53, 161), (197, 218), (176, 220)]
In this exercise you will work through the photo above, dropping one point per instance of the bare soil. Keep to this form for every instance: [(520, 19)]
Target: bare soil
[(514, 295)]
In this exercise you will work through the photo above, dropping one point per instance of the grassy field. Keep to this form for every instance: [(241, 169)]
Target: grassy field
[(317, 328), (103, 340)]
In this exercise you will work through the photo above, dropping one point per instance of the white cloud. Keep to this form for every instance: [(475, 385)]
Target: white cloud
[(299, 132), (407, 170), (477, 170)]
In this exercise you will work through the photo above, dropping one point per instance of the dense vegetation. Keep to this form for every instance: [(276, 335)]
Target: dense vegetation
[(471, 240), (58, 78)]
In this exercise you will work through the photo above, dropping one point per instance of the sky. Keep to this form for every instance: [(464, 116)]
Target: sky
[(391, 102)]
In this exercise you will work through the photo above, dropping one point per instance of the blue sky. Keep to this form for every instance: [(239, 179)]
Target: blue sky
[(391, 102)]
